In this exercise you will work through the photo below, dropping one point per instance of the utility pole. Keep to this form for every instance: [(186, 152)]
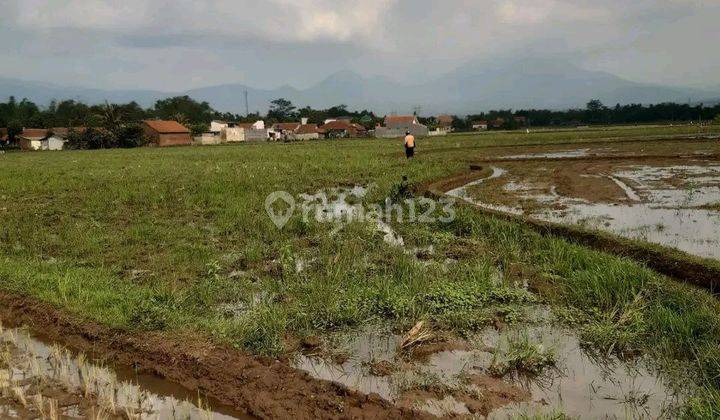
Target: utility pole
[(247, 107)]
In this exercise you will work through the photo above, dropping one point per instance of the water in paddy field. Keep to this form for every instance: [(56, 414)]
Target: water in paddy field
[(72, 386), (658, 212), (578, 386), (664, 205)]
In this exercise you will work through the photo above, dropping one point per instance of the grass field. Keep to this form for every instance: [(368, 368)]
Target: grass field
[(178, 240)]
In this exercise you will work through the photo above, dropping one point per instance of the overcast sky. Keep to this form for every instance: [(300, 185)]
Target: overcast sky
[(182, 44)]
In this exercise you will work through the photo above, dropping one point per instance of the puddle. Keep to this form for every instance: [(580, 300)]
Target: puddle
[(42, 380), (662, 212), (554, 155), (578, 385), (462, 193), (582, 386), (662, 206)]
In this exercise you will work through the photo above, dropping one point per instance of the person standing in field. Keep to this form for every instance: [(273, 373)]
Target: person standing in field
[(409, 145)]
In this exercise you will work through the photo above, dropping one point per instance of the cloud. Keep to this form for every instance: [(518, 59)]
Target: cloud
[(273, 42)]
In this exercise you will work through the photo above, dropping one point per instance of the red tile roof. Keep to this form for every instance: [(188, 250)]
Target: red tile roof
[(166, 127), (34, 133), (64, 131), (286, 126), (338, 125), (307, 129)]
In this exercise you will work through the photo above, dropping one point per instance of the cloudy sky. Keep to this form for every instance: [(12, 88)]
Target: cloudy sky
[(181, 44)]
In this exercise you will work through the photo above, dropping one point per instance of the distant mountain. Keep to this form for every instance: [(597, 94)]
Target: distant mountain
[(42, 93), (472, 87)]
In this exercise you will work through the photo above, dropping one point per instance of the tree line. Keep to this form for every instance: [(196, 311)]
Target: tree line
[(118, 125), (595, 113)]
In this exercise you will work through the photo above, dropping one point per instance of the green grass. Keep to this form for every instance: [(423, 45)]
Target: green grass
[(173, 239)]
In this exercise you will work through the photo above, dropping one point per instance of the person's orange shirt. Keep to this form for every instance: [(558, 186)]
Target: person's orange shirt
[(409, 140)]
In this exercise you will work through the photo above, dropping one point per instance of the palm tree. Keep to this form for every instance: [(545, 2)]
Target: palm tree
[(111, 116)]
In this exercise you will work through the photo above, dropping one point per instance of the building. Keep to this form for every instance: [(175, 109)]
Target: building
[(206, 139), (445, 122), (57, 137), (307, 132), (343, 128), (498, 123), (244, 132), (217, 126), (398, 125), (283, 131), (32, 138), (480, 125), (167, 133)]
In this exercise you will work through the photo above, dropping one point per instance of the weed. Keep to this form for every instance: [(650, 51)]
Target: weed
[(522, 357)]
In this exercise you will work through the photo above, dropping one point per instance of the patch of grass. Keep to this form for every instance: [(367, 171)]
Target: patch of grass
[(192, 221), (523, 357)]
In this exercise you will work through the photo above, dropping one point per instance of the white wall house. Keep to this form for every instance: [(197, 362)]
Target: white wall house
[(218, 126), (53, 143)]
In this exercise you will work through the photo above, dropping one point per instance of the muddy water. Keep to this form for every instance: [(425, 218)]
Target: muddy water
[(583, 386), (663, 205), (578, 386), (79, 387), (660, 210)]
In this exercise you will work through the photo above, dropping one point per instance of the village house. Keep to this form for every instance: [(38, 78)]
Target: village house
[(167, 133), (397, 125), (239, 132), (342, 128), (32, 138), (217, 126), (283, 131), (57, 137), (498, 123), (480, 125), (307, 132), (445, 122)]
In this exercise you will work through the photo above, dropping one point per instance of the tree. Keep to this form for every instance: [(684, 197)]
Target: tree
[(595, 111), (716, 121), (196, 112), (110, 116), (14, 128), (281, 110)]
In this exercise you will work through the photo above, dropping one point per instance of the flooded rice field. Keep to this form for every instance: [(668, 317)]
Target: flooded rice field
[(41, 380), (530, 369), (674, 202)]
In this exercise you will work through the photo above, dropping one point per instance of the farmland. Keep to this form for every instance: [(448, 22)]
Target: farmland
[(129, 252)]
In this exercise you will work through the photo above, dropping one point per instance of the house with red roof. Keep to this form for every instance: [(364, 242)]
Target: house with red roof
[(397, 125), (343, 128), (167, 133)]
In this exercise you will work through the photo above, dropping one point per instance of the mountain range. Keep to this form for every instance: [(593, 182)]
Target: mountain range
[(473, 87)]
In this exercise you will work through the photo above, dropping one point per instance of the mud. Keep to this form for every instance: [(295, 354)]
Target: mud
[(458, 378), (660, 201), (61, 384), (257, 387), (557, 185), (428, 378)]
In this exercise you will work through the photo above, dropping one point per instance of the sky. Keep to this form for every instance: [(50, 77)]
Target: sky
[(175, 45)]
